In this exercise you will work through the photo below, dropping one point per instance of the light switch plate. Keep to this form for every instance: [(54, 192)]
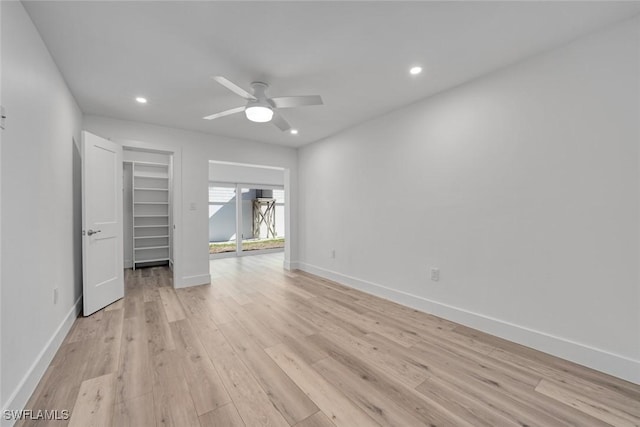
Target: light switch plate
[(3, 116)]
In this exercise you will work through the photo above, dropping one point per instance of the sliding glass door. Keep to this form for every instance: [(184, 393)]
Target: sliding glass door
[(245, 219)]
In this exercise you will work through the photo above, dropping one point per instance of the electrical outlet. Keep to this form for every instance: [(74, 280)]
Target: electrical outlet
[(55, 295), (435, 274)]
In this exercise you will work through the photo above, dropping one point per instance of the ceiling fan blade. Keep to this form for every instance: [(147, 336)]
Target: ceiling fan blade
[(280, 122), (296, 101), (225, 113), (233, 87)]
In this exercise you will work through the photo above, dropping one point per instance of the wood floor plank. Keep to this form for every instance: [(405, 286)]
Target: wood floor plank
[(224, 416), (251, 401), (173, 405), (275, 314), (105, 354), (427, 411), (192, 300), (319, 419), (136, 412), (409, 372), (149, 288), (116, 305), (258, 330), (338, 408), (84, 328), (171, 304), (95, 403), (370, 399), (205, 385), (157, 328), (402, 337), (587, 405), (284, 394), (475, 411), (134, 303), (134, 374)]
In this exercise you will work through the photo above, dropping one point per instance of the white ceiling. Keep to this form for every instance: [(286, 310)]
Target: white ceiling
[(355, 54)]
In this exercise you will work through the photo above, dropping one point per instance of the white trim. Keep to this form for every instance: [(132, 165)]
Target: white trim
[(200, 279), (249, 165), (27, 385), (601, 360), (251, 186)]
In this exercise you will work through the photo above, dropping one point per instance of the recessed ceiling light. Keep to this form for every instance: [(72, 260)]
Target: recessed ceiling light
[(294, 131), (415, 70), (141, 100)]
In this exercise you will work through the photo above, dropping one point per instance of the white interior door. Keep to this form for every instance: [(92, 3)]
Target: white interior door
[(102, 247)]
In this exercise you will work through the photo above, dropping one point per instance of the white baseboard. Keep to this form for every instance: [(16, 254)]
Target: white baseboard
[(128, 263), (200, 279), (27, 385), (601, 360)]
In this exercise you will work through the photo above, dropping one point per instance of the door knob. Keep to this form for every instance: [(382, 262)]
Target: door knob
[(92, 232)]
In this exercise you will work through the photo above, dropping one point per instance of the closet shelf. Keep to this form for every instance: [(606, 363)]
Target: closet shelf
[(152, 237), (150, 226), (141, 261), (150, 176), (150, 189), (151, 203), (150, 247), (151, 216)]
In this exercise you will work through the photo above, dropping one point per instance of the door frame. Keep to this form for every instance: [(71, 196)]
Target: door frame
[(175, 170)]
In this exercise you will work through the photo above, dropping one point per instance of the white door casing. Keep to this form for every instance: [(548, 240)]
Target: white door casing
[(102, 247)]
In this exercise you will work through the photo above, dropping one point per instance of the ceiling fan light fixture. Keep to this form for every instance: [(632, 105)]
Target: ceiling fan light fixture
[(259, 113)]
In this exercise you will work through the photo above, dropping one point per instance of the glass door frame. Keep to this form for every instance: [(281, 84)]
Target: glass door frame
[(239, 231)]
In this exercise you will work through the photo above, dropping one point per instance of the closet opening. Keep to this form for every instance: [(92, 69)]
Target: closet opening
[(148, 208)]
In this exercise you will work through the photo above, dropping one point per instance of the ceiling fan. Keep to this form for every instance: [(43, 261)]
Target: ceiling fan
[(259, 107)]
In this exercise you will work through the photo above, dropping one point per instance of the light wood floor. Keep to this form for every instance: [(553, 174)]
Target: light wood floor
[(266, 347)]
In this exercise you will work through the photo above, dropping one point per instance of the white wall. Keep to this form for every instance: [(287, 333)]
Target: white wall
[(196, 150), (41, 242), (524, 188)]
